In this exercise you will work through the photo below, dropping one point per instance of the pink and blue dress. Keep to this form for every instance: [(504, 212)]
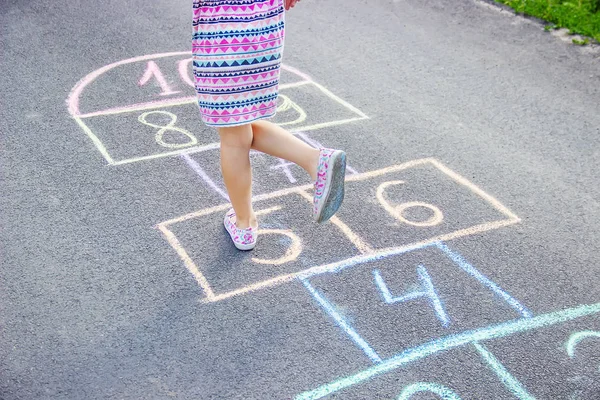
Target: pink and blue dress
[(237, 47)]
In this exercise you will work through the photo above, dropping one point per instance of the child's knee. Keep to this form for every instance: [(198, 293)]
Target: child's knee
[(237, 136)]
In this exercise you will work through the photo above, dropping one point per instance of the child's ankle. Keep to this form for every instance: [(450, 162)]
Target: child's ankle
[(312, 171)]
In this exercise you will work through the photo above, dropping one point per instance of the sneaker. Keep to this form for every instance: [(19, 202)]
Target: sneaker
[(243, 239), (329, 186)]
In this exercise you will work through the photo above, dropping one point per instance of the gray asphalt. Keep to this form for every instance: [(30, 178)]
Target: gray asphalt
[(96, 304)]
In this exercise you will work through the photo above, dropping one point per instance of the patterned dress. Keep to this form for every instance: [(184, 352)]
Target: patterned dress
[(237, 47)]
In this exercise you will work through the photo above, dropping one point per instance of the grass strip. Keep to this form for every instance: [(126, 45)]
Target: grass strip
[(578, 16)]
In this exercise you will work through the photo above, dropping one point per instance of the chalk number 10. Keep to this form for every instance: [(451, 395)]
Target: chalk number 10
[(153, 71)]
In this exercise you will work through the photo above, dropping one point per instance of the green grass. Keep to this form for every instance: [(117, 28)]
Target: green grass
[(581, 42), (578, 16)]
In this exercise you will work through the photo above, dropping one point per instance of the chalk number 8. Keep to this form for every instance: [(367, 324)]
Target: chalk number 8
[(169, 127)]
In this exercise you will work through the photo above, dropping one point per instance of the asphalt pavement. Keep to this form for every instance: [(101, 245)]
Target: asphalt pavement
[(464, 263)]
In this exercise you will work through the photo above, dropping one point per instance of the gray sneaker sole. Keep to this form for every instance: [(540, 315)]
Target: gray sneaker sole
[(335, 196)]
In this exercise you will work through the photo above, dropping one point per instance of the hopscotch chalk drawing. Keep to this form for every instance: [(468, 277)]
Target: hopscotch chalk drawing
[(393, 256), (361, 248), (160, 84)]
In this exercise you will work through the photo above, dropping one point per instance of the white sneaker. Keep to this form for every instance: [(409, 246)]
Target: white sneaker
[(243, 239), (329, 186)]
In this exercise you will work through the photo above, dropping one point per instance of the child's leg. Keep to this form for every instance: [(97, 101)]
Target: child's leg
[(276, 141), (237, 173)]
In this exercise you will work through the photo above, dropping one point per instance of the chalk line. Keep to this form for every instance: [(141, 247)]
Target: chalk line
[(198, 170), (474, 272), (511, 383), (339, 319)]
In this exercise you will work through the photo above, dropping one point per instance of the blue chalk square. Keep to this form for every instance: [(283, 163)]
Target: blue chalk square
[(431, 292), (488, 342)]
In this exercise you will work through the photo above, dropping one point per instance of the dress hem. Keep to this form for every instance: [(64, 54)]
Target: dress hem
[(227, 125)]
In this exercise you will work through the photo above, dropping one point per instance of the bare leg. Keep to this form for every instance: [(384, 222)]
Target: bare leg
[(237, 173), (276, 141)]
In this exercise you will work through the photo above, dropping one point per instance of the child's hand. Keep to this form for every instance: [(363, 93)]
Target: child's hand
[(290, 3)]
